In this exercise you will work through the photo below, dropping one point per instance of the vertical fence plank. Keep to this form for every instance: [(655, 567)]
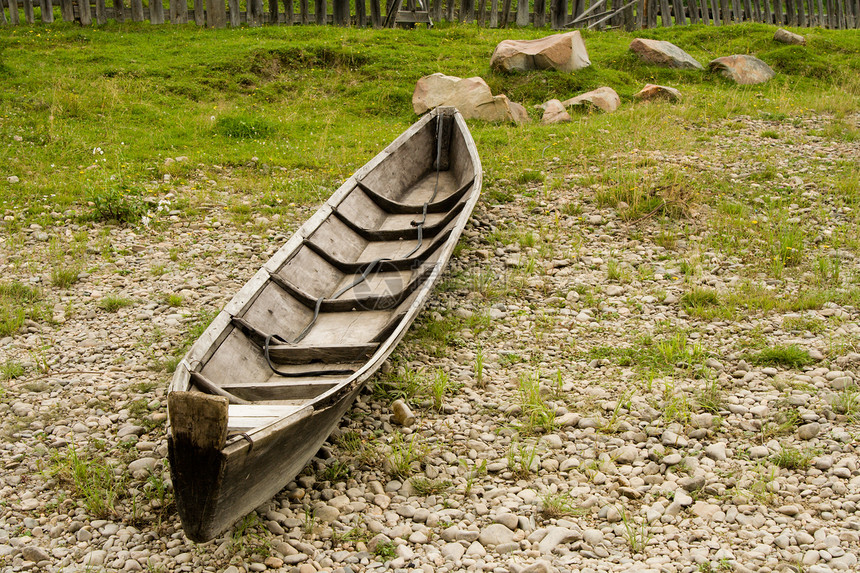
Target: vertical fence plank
[(66, 9), (494, 13), (693, 7), (339, 15), (777, 13), (101, 12), (680, 17), (747, 11), (3, 19), (199, 13), (665, 17), (47, 11), (724, 12), (436, 10), (704, 14), (736, 11), (361, 13), (811, 15), (801, 14), (522, 12), (28, 12), (273, 11), (321, 7), (375, 13), (216, 13), (178, 11), (467, 7), (235, 13), (449, 10), (289, 12), (304, 11), (137, 10), (14, 18), (84, 14), (156, 11), (790, 14), (768, 16), (557, 13), (482, 12), (540, 13)]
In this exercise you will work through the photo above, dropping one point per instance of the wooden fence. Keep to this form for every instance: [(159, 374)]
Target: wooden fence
[(559, 14)]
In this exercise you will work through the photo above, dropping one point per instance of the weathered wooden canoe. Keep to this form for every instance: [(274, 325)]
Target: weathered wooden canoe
[(264, 386)]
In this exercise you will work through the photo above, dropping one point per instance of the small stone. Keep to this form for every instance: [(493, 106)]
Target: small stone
[(786, 37), (34, 553), (509, 520), (655, 92), (789, 510), (593, 536), (716, 451), (808, 431), (495, 534)]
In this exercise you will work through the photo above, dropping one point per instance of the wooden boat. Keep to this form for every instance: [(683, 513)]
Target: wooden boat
[(267, 382)]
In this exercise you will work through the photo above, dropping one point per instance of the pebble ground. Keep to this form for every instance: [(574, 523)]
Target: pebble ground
[(564, 452)]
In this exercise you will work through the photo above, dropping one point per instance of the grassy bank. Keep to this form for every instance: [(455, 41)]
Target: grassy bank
[(90, 110)]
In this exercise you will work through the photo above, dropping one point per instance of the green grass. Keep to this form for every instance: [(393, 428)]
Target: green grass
[(113, 303), (647, 353), (11, 370), (19, 302), (92, 479), (790, 356), (791, 459), (318, 102)]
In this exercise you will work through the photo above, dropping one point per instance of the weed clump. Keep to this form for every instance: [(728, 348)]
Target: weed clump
[(18, 302), (791, 356), (119, 204), (244, 127)]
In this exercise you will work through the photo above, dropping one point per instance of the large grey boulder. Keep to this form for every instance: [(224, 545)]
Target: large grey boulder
[(472, 96), (562, 52), (663, 53), (743, 69), (604, 98)]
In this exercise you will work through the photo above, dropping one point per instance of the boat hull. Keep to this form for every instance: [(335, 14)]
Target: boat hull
[(245, 479), (267, 382)]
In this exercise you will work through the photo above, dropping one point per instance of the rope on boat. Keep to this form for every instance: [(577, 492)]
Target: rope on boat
[(375, 264)]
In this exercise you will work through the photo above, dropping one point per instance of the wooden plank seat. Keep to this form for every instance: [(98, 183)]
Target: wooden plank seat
[(448, 193), (308, 276), (284, 390), (281, 353), (350, 252), (243, 417), (364, 216)]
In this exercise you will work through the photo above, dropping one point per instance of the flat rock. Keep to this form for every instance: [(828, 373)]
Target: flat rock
[(742, 69), (554, 112), (495, 534), (472, 96), (786, 37), (653, 91), (604, 98), (661, 53), (554, 537), (562, 52), (808, 431)]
